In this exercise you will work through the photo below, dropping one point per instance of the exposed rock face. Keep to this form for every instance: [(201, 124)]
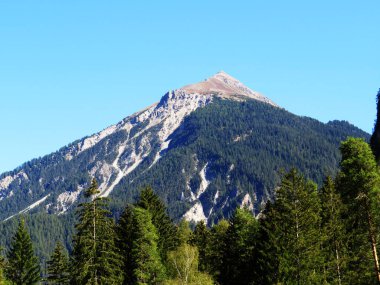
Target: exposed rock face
[(224, 85)]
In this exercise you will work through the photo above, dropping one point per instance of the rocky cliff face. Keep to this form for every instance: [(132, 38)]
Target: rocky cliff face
[(156, 146)]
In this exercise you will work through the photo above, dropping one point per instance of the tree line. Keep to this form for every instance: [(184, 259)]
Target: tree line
[(305, 235)]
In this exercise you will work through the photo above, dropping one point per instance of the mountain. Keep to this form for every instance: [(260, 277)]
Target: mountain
[(206, 149)]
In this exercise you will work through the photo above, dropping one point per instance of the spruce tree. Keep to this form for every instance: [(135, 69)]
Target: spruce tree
[(148, 267), (95, 257), (2, 267), (167, 235), (358, 183), (334, 240), (201, 238), (375, 138), (23, 267), (295, 220), (58, 266), (218, 245), (238, 254), (125, 235), (267, 249)]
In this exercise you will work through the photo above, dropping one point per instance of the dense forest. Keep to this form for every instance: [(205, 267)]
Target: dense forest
[(305, 235)]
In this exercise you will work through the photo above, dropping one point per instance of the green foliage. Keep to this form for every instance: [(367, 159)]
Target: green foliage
[(238, 253), (295, 219), (375, 138), (58, 266), (358, 183), (201, 238), (23, 266), (167, 234), (95, 258), (333, 235), (183, 267), (148, 268)]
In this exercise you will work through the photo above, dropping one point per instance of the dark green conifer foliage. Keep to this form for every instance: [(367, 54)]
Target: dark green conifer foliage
[(266, 263), (358, 183), (296, 227), (23, 266), (217, 247), (58, 266), (2, 267), (333, 235), (148, 268), (375, 138), (201, 238), (238, 254), (95, 258), (125, 235), (167, 235)]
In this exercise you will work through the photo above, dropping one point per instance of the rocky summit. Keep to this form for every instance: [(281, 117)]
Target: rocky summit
[(205, 148)]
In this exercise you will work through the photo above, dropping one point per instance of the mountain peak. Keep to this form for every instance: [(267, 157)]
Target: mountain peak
[(226, 86)]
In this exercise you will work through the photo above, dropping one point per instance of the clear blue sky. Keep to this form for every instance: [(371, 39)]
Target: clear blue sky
[(71, 68)]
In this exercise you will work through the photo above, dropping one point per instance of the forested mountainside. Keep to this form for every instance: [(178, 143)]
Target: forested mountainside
[(205, 149)]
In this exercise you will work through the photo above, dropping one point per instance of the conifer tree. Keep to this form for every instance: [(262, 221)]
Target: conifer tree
[(23, 267), (167, 235), (334, 246), (358, 183), (218, 245), (375, 138), (2, 266), (58, 266), (201, 238), (125, 235), (267, 250), (95, 258), (148, 268), (295, 227), (238, 254)]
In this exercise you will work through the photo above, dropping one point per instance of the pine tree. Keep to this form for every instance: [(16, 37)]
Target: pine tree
[(95, 258), (296, 227), (358, 183), (148, 268), (23, 267), (375, 138), (334, 245), (238, 254), (58, 266), (167, 235)]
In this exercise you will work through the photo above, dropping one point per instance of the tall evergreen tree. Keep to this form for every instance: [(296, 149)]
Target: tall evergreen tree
[(95, 258), (201, 238), (58, 266), (296, 226), (23, 266), (266, 264), (238, 254), (358, 183), (334, 245), (375, 138), (167, 235), (125, 236), (218, 245), (2, 267), (148, 268)]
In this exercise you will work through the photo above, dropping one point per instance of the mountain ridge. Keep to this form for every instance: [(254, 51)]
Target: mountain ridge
[(122, 154)]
